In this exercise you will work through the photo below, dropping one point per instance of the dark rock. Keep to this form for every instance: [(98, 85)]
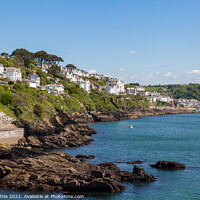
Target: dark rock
[(135, 162), (33, 177), (104, 185), (54, 180), (110, 166), (131, 162), (138, 175), (85, 156), (4, 171), (98, 174), (141, 176), (31, 169), (168, 165)]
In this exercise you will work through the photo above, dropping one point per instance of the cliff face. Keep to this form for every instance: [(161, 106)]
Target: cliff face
[(63, 130)]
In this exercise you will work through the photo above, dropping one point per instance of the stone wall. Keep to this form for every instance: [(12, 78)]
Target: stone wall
[(9, 133), (11, 136)]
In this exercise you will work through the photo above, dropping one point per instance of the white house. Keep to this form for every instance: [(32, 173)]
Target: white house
[(135, 90), (1, 69), (131, 91), (149, 93), (55, 89), (12, 73), (97, 76), (167, 99), (139, 88), (31, 83), (115, 86), (73, 78), (85, 84), (36, 78), (113, 89), (69, 71)]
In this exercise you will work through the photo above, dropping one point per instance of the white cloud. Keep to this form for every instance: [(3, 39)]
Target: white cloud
[(92, 71), (195, 71), (157, 73), (122, 69), (132, 52), (170, 75), (150, 75)]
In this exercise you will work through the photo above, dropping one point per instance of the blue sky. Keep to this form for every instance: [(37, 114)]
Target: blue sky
[(145, 41)]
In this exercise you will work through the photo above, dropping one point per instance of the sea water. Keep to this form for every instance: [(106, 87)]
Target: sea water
[(169, 137)]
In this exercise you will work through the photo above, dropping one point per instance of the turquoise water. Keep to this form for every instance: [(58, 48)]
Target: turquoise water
[(170, 137)]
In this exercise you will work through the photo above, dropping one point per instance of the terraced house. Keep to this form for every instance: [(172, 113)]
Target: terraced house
[(13, 73), (115, 86)]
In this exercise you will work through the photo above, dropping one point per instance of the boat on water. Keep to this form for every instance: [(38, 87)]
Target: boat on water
[(198, 110), (130, 126)]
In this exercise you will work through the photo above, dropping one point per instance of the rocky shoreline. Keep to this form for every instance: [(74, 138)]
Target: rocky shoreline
[(72, 131), (23, 169), (135, 114), (72, 135), (26, 167)]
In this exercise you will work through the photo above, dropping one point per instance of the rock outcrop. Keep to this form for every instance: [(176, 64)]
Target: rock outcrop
[(168, 165), (27, 169), (73, 135), (138, 175)]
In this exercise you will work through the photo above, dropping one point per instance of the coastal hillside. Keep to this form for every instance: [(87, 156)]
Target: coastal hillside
[(37, 91), (33, 106)]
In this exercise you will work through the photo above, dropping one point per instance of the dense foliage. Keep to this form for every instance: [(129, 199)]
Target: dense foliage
[(187, 91), (190, 91)]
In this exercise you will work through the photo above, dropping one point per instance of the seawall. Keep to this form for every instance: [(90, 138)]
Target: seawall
[(11, 135)]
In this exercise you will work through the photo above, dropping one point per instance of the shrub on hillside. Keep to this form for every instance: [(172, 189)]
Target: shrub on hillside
[(10, 82), (6, 98), (38, 110)]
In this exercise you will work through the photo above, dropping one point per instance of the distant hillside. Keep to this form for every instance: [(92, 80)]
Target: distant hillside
[(188, 91)]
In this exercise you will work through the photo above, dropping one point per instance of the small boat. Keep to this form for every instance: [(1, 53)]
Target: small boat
[(130, 126), (197, 110)]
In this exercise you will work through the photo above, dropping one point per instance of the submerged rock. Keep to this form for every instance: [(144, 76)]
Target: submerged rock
[(131, 162), (168, 165), (85, 156)]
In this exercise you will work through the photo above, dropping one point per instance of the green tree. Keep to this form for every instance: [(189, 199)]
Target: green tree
[(25, 54), (18, 61), (71, 66), (7, 62), (55, 70), (41, 56), (5, 54)]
